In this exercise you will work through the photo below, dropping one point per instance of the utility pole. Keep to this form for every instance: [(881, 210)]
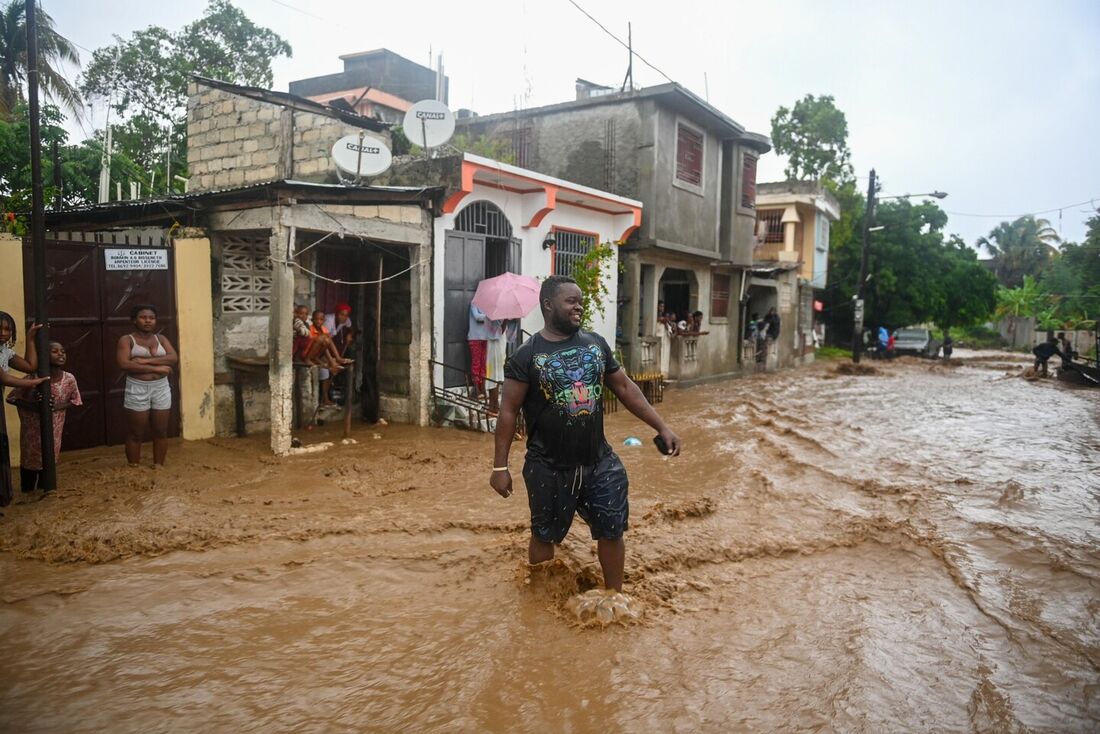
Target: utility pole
[(38, 247), (57, 183), (857, 330)]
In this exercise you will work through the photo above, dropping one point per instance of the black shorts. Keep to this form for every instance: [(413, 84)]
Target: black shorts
[(597, 493)]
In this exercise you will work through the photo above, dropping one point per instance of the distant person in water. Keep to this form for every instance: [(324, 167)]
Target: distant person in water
[(1044, 352), (558, 378)]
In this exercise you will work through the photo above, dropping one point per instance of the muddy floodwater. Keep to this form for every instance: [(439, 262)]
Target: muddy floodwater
[(914, 549)]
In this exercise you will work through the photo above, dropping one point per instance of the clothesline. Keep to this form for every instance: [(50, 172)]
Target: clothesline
[(348, 282)]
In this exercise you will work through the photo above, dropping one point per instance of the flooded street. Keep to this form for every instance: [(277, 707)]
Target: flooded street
[(913, 549)]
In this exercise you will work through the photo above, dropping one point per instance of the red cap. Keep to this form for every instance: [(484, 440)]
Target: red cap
[(343, 307)]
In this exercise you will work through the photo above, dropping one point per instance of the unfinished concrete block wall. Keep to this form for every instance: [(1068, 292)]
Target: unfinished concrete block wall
[(606, 147), (237, 141)]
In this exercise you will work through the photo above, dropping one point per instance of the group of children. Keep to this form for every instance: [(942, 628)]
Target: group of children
[(323, 341), (689, 323), (26, 396)]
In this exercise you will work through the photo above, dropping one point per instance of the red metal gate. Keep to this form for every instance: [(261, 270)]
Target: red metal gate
[(89, 309)]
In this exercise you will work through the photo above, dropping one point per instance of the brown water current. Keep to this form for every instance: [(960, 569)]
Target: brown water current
[(914, 548)]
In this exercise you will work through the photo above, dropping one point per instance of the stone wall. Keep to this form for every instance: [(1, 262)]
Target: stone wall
[(237, 141)]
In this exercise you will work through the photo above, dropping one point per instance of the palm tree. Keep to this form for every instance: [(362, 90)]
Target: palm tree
[(1020, 248), (52, 50)]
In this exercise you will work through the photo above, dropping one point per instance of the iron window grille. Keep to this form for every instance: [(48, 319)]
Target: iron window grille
[(570, 249), (774, 220)]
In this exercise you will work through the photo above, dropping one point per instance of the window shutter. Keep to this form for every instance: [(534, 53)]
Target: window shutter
[(719, 295), (748, 182), (689, 155)]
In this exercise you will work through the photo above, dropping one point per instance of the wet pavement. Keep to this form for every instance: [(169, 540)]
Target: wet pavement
[(917, 548)]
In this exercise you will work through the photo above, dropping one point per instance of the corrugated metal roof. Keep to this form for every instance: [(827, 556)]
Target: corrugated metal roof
[(192, 205)]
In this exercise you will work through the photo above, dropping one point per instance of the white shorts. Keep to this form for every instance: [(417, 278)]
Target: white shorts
[(142, 395)]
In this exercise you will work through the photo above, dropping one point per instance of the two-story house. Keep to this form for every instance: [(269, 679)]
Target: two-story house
[(791, 260), (694, 170)]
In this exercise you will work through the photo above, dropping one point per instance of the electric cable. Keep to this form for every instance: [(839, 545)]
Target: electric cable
[(621, 42)]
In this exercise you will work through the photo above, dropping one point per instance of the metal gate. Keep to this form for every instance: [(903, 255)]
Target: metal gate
[(89, 309)]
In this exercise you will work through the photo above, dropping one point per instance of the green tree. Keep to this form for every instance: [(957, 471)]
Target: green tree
[(79, 163), (814, 136), (53, 50), (148, 73), (1020, 248), (144, 78), (968, 291)]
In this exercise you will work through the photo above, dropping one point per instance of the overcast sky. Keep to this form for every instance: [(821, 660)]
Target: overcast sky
[(997, 103)]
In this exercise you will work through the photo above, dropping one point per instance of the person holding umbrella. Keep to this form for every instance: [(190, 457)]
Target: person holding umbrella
[(497, 302)]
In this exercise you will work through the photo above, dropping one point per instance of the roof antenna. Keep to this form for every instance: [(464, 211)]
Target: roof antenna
[(629, 79)]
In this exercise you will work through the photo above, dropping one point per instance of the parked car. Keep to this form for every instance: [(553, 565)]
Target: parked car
[(916, 340)]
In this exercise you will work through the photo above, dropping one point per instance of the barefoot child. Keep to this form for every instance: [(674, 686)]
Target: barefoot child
[(27, 363), (63, 393), (323, 349), (302, 339)]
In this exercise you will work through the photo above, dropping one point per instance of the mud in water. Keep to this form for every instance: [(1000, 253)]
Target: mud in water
[(912, 550)]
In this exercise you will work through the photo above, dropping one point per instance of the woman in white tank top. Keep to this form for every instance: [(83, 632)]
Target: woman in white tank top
[(147, 358)]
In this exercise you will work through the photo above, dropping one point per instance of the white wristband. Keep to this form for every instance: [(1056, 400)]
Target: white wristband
[(500, 468)]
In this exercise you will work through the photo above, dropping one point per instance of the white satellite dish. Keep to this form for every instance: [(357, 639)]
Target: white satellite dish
[(429, 123), (361, 155)]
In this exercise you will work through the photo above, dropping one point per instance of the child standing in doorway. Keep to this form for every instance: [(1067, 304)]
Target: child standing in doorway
[(63, 394)]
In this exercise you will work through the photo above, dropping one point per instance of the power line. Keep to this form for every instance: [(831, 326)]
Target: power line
[(621, 42), (291, 7), (1025, 214)]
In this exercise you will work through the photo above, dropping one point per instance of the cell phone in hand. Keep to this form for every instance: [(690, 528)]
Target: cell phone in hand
[(661, 445)]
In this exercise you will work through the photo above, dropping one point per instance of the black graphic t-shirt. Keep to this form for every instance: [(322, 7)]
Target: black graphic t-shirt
[(564, 403)]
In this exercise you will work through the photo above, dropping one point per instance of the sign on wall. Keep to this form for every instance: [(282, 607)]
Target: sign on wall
[(136, 259)]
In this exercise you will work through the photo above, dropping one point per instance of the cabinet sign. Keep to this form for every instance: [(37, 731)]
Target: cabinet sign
[(134, 259)]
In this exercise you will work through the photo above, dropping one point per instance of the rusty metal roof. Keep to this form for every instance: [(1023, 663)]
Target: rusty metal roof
[(189, 209)]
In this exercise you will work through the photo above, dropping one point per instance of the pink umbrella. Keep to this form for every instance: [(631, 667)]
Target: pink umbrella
[(507, 296)]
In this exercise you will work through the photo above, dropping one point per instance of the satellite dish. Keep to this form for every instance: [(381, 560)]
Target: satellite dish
[(361, 155), (429, 123)]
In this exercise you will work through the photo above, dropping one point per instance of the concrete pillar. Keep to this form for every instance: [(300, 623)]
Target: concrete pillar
[(420, 349), (790, 226), (632, 286), (280, 332), (11, 286), (195, 322)]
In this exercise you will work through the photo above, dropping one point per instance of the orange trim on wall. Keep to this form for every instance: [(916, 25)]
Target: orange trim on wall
[(633, 227), (551, 202), (456, 198)]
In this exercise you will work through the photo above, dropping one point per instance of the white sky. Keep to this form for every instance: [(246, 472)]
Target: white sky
[(997, 103)]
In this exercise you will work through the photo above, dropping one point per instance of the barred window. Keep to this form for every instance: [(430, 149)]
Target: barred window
[(570, 249), (774, 219), (246, 274)]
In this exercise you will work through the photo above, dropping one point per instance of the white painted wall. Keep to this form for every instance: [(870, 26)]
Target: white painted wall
[(536, 261)]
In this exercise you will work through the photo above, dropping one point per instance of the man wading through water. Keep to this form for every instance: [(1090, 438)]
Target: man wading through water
[(558, 377)]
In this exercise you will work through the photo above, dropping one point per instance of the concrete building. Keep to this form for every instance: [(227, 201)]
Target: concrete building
[(694, 170), (500, 218), (378, 84), (263, 227), (791, 262)]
